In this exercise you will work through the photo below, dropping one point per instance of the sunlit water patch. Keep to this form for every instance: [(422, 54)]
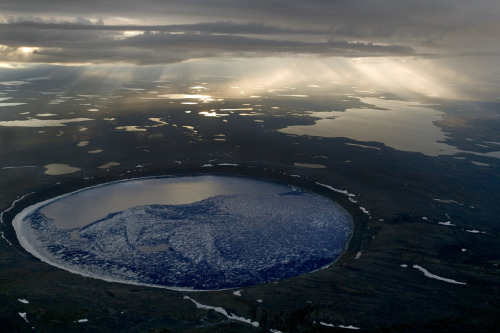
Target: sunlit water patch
[(11, 104), (56, 169), (33, 122), (406, 126), (202, 233)]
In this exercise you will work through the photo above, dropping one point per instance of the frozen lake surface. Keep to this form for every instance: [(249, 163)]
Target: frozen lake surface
[(201, 232)]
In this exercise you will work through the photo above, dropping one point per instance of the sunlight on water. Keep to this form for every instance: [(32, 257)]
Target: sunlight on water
[(59, 169), (407, 126)]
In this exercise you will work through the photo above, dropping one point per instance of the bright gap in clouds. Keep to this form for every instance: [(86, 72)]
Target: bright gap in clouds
[(403, 76)]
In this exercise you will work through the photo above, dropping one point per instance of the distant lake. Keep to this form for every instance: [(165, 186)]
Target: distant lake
[(199, 232), (406, 126)]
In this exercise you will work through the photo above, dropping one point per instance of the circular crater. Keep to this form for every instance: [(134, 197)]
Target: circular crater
[(199, 232)]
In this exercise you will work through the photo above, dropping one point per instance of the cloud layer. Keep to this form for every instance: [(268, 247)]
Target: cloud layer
[(150, 31)]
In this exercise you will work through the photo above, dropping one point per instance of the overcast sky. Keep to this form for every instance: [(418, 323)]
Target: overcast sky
[(155, 31)]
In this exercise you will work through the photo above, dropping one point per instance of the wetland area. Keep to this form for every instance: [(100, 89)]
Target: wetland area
[(421, 187)]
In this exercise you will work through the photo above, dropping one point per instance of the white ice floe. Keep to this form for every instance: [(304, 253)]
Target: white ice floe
[(24, 301), (223, 312), (358, 255), (81, 321), (433, 276), (404, 265), (237, 293), (337, 190), (208, 165), (349, 327), (425, 218), (464, 250), (448, 223)]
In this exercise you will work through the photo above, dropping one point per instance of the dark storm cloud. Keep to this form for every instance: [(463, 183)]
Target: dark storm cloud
[(226, 27), (77, 42), (364, 14), (95, 29)]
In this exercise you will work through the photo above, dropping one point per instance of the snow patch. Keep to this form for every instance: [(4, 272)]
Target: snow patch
[(24, 316), (448, 223), (358, 255), (13, 205), (3, 236), (81, 321), (433, 276), (237, 293), (349, 327), (364, 210), (223, 312), (24, 301), (447, 201), (3, 212), (404, 265), (476, 231), (337, 190)]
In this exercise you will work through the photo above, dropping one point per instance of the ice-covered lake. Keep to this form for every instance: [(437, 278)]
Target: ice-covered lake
[(199, 232)]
